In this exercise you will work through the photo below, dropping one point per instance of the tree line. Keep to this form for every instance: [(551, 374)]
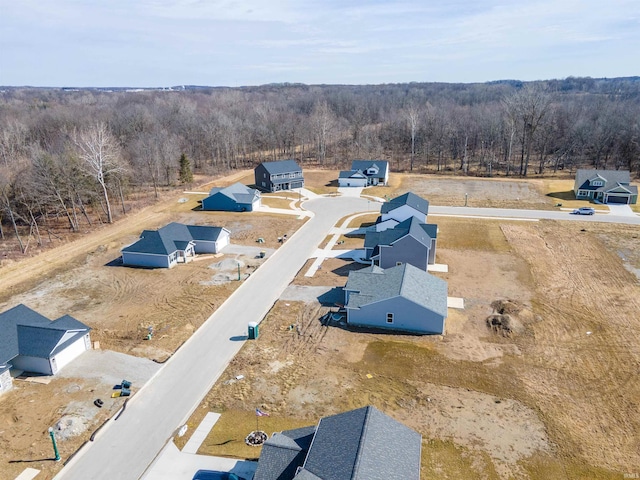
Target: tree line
[(74, 156)]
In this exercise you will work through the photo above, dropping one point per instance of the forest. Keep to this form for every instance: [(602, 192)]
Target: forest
[(72, 157)]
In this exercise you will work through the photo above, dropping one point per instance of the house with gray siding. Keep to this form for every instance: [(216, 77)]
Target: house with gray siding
[(605, 186), (277, 176), (32, 343), (401, 298), (234, 198), (174, 243), (401, 208), (361, 444), (409, 241)]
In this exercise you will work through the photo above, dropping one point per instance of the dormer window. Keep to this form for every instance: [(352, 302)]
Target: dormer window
[(597, 183)]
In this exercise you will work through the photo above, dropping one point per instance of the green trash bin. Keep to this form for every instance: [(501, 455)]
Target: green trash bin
[(253, 331)]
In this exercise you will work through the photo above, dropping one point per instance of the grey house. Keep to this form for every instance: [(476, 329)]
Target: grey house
[(362, 444), (33, 343), (280, 175), (364, 173), (402, 298), (409, 241), (234, 198), (174, 243), (401, 208), (605, 186)]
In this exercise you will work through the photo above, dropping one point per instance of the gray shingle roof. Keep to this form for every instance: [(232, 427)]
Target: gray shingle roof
[(363, 165), (364, 444), (374, 284), (611, 179), (172, 237), (26, 332), (411, 199), (237, 192), (351, 174), (281, 166), (411, 226), (283, 453)]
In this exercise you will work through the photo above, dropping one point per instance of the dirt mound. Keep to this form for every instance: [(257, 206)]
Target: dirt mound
[(500, 324), (508, 317), (507, 307)]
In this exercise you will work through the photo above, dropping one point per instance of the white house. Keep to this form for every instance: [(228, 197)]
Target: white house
[(365, 173), (174, 243), (402, 208), (32, 343)]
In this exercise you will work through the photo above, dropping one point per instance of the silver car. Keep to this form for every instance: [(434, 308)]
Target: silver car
[(584, 211)]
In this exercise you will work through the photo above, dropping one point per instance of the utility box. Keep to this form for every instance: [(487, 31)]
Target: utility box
[(253, 331)]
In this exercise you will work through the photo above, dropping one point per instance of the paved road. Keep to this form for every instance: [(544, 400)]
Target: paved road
[(126, 447), (533, 214)]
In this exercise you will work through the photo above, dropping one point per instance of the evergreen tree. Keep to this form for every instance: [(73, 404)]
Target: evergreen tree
[(186, 175)]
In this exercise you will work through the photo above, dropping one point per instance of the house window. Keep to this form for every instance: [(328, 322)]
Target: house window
[(597, 183), (398, 264), (292, 175), (389, 317)]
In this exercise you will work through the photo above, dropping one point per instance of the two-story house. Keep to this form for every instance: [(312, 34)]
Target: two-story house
[(280, 175)]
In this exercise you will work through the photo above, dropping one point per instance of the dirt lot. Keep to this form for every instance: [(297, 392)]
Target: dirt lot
[(541, 400), (86, 280), (545, 401)]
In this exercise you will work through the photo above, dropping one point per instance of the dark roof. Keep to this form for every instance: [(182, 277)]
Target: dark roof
[(351, 174), (281, 166), (611, 179), (363, 444), (373, 284), (411, 199), (411, 226), (283, 453), (26, 332), (237, 192), (363, 165), (172, 237)]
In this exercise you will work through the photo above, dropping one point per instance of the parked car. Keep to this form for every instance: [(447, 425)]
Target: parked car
[(584, 211), (215, 475)]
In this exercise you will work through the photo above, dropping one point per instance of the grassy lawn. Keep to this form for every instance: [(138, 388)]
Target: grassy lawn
[(226, 439), (470, 234), (363, 221), (275, 202), (349, 242), (322, 182)]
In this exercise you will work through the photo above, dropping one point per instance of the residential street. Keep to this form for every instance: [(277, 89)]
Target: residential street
[(532, 214), (127, 446)]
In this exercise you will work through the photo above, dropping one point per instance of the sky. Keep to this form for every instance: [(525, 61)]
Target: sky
[(162, 43)]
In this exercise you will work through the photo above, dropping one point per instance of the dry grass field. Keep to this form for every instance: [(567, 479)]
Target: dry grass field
[(546, 401)]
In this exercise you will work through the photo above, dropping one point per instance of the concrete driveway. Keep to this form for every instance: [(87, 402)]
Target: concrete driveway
[(127, 446), (621, 210)]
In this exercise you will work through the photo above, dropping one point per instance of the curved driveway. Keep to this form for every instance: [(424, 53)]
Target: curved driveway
[(126, 447)]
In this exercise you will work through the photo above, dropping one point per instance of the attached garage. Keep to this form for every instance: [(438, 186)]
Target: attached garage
[(618, 199)]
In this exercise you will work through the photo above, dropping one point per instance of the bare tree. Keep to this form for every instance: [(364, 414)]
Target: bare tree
[(527, 108), (413, 117), (101, 157)]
